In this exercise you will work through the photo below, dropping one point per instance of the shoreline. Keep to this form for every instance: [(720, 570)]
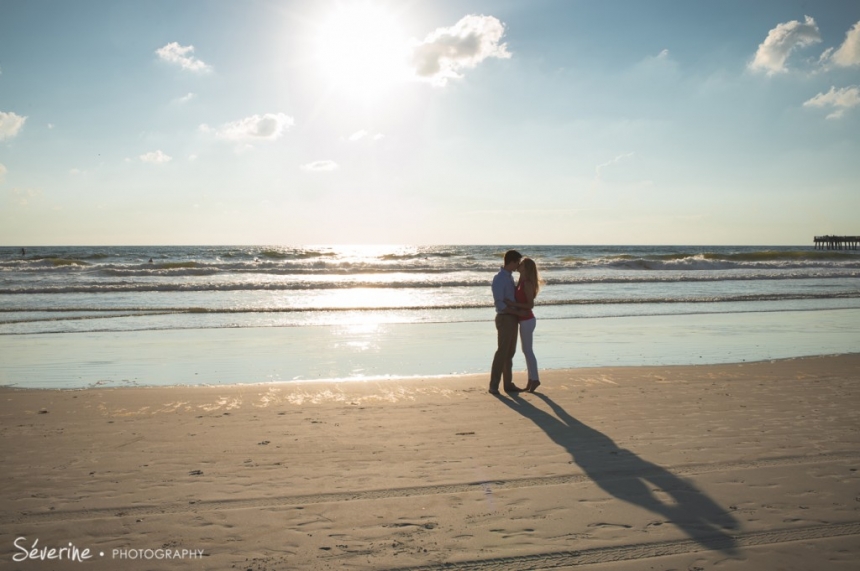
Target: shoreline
[(742, 466)]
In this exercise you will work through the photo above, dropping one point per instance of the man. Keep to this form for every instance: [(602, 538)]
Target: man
[(507, 326)]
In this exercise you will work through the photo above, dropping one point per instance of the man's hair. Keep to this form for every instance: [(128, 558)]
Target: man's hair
[(512, 256)]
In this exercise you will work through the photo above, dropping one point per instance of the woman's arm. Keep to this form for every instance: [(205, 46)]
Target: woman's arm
[(529, 290)]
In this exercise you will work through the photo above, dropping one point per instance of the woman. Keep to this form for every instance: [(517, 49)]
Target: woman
[(528, 287)]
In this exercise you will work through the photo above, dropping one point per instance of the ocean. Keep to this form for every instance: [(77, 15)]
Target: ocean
[(410, 310)]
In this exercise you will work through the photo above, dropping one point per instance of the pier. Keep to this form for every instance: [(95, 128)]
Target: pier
[(836, 242)]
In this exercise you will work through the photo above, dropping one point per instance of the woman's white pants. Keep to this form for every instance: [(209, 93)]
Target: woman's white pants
[(527, 334)]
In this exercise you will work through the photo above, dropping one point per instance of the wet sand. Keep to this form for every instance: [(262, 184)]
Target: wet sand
[(731, 466)]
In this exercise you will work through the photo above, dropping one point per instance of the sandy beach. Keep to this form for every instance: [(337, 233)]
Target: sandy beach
[(732, 466)]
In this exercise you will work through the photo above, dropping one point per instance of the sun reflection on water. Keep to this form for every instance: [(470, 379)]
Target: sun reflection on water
[(360, 336), (368, 297)]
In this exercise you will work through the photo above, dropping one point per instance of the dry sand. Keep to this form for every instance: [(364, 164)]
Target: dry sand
[(746, 466)]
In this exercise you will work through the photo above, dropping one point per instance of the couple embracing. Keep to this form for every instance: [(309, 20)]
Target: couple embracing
[(514, 303)]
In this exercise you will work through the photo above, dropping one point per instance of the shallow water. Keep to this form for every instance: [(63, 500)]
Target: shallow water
[(386, 350)]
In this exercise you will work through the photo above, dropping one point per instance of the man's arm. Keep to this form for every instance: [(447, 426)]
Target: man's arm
[(499, 293)]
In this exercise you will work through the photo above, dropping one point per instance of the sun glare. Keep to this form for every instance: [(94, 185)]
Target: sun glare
[(361, 48)]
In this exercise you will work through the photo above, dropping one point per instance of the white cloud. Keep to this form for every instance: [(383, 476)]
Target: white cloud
[(321, 166), (256, 127), (781, 41), (838, 99), (156, 157), (10, 124), (182, 56), (848, 53), (186, 98), (358, 135), (447, 51)]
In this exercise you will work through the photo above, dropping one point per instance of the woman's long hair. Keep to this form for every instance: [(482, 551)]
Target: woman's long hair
[(529, 273)]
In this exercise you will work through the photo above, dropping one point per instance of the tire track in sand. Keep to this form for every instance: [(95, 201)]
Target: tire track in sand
[(197, 506), (633, 552)]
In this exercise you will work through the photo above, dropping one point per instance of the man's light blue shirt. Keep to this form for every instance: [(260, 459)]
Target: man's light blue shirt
[(503, 288)]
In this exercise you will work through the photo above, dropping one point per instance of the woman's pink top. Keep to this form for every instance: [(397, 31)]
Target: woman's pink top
[(520, 297)]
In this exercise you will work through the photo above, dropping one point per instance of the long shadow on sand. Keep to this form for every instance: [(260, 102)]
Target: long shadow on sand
[(628, 477)]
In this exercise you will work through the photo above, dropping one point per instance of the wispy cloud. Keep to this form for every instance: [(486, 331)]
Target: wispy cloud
[(10, 124), (156, 157), (256, 127), (840, 100), (364, 135), (848, 53), (321, 166), (182, 56), (781, 41), (185, 98), (23, 196), (444, 53), (598, 170)]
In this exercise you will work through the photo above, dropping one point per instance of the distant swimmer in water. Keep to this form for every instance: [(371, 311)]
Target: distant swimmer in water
[(150, 260), (23, 252)]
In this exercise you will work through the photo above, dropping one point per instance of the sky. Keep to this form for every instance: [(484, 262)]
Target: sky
[(429, 122)]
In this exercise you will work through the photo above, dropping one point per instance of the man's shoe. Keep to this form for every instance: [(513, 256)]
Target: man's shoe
[(494, 391), (513, 389)]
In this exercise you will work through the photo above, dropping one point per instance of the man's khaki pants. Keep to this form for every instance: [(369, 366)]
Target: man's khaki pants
[(503, 362)]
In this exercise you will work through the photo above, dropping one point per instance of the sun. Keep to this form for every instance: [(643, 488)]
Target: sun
[(360, 47)]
